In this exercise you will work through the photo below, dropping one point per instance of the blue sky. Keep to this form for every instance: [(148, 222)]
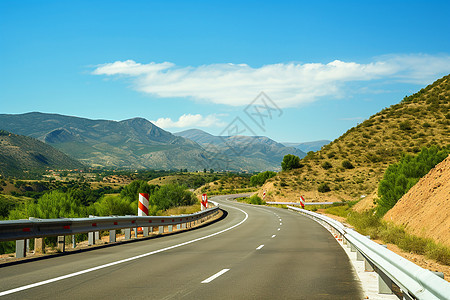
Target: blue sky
[(324, 65)]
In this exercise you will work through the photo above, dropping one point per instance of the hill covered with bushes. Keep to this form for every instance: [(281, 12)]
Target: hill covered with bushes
[(350, 167)]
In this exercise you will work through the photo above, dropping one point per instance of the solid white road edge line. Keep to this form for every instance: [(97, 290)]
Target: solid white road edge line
[(29, 286), (260, 247), (274, 235), (209, 279)]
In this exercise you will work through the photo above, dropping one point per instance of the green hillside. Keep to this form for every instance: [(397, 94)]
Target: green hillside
[(351, 166), (24, 156)]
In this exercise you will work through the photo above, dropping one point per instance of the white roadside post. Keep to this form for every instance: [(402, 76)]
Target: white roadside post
[(143, 209)]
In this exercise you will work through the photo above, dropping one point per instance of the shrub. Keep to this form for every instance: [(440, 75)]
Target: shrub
[(331, 154), (323, 188), (348, 165), (260, 179), (171, 195), (252, 200), (405, 125), (113, 206), (327, 165)]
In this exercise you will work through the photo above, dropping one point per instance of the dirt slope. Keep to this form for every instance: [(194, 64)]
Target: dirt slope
[(425, 209)]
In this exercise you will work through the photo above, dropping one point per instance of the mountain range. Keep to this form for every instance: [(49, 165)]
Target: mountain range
[(308, 146), (137, 143), (22, 155), (260, 150)]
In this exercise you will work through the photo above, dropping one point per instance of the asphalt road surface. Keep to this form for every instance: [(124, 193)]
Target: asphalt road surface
[(254, 253)]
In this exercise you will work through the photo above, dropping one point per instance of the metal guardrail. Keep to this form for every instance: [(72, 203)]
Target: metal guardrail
[(21, 230), (414, 281), (296, 203)]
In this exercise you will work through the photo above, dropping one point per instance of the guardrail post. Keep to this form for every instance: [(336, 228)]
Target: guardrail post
[(145, 231), (61, 243), (183, 226), (170, 228), (74, 243), (91, 240), (150, 230), (97, 236), (39, 245), (384, 283), (21, 250), (112, 236), (368, 265), (161, 229), (359, 256), (135, 232), (178, 226), (127, 233)]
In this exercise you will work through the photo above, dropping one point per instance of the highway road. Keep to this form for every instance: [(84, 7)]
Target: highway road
[(255, 252)]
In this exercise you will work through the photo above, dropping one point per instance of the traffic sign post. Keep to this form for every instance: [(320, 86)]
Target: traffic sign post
[(302, 201), (204, 203)]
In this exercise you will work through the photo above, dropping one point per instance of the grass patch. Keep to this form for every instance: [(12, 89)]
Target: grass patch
[(231, 191), (252, 200), (181, 210), (368, 223)]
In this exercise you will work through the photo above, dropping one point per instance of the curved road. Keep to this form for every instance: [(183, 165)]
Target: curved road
[(254, 253)]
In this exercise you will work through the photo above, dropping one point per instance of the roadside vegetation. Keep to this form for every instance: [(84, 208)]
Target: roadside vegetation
[(75, 203), (402, 176), (252, 200), (397, 180), (228, 184)]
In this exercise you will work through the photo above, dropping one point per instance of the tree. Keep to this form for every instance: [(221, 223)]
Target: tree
[(132, 190), (290, 162)]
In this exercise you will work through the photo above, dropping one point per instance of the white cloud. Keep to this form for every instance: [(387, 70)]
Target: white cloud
[(288, 84), (189, 121)]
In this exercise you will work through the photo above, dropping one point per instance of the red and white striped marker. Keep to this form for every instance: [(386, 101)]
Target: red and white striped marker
[(143, 204), (302, 201), (204, 201), (264, 195)]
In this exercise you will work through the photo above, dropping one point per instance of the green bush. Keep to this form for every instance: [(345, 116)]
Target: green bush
[(252, 200), (327, 165), (400, 177), (405, 125), (323, 188), (171, 195), (260, 179), (113, 206), (348, 165)]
